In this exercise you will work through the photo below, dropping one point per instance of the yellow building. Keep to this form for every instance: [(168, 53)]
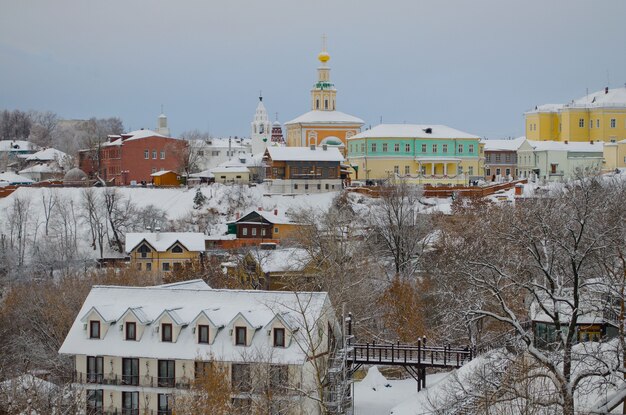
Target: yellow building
[(323, 124), (231, 175), (421, 154), (600, 116), (614, 156), (164, 251)]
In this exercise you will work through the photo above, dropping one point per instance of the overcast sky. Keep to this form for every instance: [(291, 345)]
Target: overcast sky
[(473, 65)]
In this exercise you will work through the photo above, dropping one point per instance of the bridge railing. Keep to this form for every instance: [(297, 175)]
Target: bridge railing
[(400, 354)]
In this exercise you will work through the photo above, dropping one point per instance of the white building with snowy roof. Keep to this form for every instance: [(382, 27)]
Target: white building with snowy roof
[(214, 151), (136, 348), (557, 161)]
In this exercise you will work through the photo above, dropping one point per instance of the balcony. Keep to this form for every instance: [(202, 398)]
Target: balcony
[(132, 380)]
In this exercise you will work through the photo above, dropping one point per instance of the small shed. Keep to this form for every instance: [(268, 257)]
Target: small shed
[(166, 178)]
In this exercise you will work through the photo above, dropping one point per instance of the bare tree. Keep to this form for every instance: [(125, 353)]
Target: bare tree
[(547, 252)]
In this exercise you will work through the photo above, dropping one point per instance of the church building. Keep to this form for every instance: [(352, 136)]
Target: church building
[(323, 125), (260, 129)]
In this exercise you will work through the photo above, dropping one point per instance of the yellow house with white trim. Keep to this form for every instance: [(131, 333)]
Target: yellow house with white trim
[(164, 251), (600, 116)]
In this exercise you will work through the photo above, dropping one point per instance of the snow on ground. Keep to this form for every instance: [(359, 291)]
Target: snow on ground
[(376, 395)]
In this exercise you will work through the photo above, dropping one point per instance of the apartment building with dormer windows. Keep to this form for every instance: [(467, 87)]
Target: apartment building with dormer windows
[(136, 349)]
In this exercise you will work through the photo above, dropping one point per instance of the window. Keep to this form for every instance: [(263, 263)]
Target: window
[(471, 149), (590, 123), (166, 332), (201, 369), (325, 104), (130, 371), (423, 148), (240, 336), (203, 334), (470, 170), (95, 369), (166, 373), (166, 266), (240, 379), (396, 147), (131, 330), (275, 230), (215, 153), (130, 403), (317, 104), (508, 172), (319, 187), (597, 123), (612, 122), (407, 148), (279, 337), (154, 154), (497, 157), (279, 376), (507, 157), (143, 250), (553, 168), (200, 153), (373, 147), (444, 148), (94, 329), (488, 172), (146, 154), (263, 233), (177, 249), (581, 122), (460, 148), (295, 186), (385, 147), (326, 186), (396, 169), (253, 231), (362, 147), (94, 401), (164, 404), (244, 230), (407, 169), (434, 148), (148, 266), (162, 155), (498, 171), (306, 186)]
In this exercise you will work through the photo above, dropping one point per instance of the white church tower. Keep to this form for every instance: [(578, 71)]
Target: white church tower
[(162, 127), (261, 129)]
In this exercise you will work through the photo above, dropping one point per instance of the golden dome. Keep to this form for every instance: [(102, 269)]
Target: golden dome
[(323, 57)]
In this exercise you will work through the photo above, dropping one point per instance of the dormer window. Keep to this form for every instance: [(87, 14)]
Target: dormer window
[(131, 331), (279, 337), (166, 332), (240, 336), (143, 250), (94, 329), (177, 249), (203, 334)]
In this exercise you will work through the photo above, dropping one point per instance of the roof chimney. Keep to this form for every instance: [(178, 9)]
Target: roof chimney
[(260, 209), (428, 130), (606, 90), (275, 212), (237, 216), (158, 232)]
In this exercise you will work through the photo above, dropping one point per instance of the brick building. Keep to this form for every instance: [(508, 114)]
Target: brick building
[(133, 157)]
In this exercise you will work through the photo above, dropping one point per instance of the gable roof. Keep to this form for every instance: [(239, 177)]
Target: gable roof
[(162, 241), (412, 131), (49, 154), (305, 154), (270, 217)]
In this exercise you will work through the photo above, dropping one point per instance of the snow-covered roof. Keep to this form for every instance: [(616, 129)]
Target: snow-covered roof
[(161, 173), (49, 154), (572, 146), (41, 168), (232, 169), (162, 241), (203, 174), (13, 178), (412, 131), (591, 307), (16, 145), (305, 154), (220, 306), (274, 218), (282, 259), (116, 140), (613, 98), (219, 142), (244, 160), (326, 117), (503, 145)]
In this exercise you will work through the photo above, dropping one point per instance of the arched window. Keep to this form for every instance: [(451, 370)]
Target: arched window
[(317, 104), (325, 104)]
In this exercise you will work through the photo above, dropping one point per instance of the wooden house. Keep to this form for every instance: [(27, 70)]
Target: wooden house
[(166, 178), (164, 251), (264, 226)]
